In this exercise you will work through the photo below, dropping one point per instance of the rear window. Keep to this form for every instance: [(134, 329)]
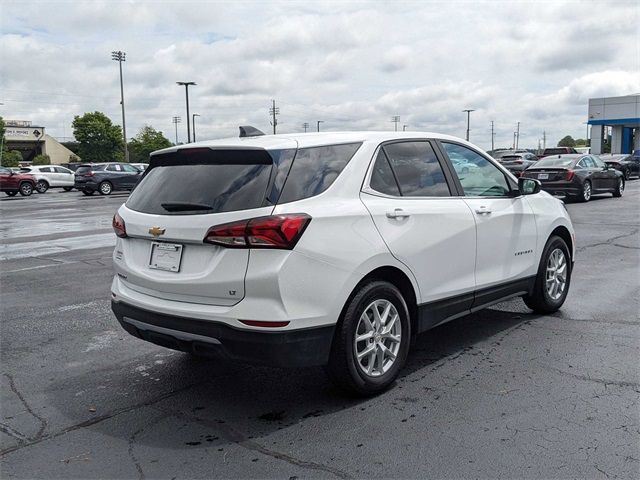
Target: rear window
[(315, 169), (555, 162), (555, 151), (203, 181), (88, 168)]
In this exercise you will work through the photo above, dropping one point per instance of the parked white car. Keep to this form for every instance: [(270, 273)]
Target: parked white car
[(51, 176), (330, 249)]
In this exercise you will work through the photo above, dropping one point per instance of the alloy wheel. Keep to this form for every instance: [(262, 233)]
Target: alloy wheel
[(556, 278), (586, 191), (377, 338)]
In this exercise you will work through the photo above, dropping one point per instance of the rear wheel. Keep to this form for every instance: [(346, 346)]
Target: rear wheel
[(105, 188), (67, 189), (26, 189), (87, 192), (42, 186), (371, 341), (627, 173), (585, 196), (619, 188), (12, 193), (553, 278)]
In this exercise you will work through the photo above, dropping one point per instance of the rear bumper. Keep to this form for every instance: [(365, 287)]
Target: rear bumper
[(561, 188), (291, 348), (87, 185)]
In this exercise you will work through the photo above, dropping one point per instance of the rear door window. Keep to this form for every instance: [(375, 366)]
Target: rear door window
[(315, 169), (382, 177), (417, 169)]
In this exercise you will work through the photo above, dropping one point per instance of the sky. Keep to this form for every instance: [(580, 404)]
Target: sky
[(353, 65)]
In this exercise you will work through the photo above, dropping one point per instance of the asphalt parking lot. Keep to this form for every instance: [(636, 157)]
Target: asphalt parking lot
[(499, 394)]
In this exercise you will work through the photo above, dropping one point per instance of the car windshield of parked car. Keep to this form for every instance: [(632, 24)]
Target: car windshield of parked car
[(560, 162)]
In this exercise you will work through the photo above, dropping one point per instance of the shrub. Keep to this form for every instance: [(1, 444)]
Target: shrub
[(11, 159), (42, 160)]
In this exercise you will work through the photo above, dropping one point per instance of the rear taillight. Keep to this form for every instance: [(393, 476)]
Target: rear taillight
[(569, 175), (275, 231), (118, 226)]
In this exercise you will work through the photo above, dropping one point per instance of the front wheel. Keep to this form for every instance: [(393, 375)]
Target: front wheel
[(553, 278), (371, 341), (42, 186), (105, 188), (619, 188), (26, 189), (627, 173)]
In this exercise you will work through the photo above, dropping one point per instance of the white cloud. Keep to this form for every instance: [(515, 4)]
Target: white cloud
[(351, 64)]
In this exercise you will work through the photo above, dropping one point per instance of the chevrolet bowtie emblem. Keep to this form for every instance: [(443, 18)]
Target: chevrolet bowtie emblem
[(156, 231)]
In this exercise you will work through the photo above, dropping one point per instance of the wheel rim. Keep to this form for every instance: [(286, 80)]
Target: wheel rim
[(26, 189), (377, 338), (621, 185), (556, 279), (105, 188), (587, 191), (41, 187)]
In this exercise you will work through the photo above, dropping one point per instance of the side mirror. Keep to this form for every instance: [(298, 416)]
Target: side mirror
[(528, 186)]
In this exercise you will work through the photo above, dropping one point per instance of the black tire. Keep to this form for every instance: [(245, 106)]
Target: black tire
[(12, 193), (344, 369), (87, 192), (587, 192), (105, 188), (67, 189), (42, 186), (26, 189), (540, 300), (619, 188), (627, 173)]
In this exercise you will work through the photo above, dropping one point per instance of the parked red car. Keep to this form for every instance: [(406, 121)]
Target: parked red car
[(11, 182)]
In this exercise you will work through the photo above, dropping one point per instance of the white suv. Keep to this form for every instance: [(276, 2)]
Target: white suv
[(51, 176), (330, 249)]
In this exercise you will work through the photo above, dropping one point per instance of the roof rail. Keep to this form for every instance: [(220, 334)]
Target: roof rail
[(249, 131)]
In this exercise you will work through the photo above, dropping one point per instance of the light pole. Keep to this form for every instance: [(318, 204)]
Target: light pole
[(318, 124), (120, 57), (517, 135), (468, 110), (193, 120), (395, 119), (305, 125), (186, 91)]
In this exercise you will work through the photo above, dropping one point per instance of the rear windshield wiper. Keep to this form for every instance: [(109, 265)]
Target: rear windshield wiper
[(184, 206)]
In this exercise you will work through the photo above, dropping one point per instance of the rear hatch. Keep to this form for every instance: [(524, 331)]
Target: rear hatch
[(84, 173), (180, 197), (511, 161)]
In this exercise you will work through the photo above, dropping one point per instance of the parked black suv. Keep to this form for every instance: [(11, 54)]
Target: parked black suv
[(106, 177)]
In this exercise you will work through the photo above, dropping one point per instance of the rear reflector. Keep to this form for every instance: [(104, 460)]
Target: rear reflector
[(275, 231), (260, 323), (118, 226)]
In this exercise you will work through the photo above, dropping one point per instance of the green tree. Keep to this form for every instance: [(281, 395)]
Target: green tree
[(11, 159), (99, 139), (41, 160), (146, 141), (567, 141)]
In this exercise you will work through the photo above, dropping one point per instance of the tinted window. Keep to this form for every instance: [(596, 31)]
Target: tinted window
[(555, 151), (382, 179), (4, 171), (484, 179), (597, 162), (417, 169), (215, 181), (129, 168), (555, 161), (315, 169), (87, 168), (63, 170)]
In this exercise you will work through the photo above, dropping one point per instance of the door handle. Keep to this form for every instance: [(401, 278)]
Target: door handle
[(397, 213), (482, 210)]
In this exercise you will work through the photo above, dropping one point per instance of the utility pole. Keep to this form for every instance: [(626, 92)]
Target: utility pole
[(194, 124), (518, 135), (305, 125), (468, 110), (404, 127), (514, 141), (493, 136), (318, 124), (186, 91), (395, 119), (176, 121), (274, 111), (120, 57), (544, 140)]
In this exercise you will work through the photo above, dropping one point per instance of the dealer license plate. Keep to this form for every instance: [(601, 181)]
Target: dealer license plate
[(165, 256)]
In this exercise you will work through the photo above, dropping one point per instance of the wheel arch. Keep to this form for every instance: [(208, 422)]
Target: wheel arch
[(563, 232)]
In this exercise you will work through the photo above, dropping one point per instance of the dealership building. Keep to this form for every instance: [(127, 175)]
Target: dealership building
[(622, 114), (31, 140)]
